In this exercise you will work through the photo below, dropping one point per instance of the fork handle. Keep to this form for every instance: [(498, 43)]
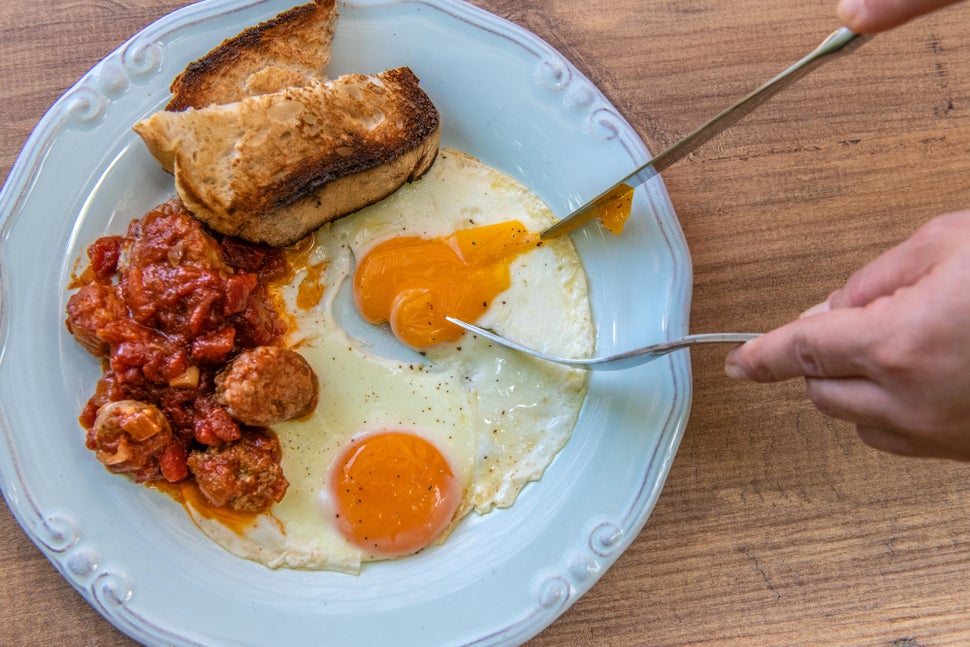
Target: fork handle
[(704, 338), (653, 351)]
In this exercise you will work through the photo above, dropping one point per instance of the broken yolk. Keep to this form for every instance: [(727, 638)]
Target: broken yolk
[(414, 283), (394, 493), (614, 208)]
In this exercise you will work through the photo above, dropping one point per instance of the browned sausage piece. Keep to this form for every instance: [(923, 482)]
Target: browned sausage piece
[(266, 385), (89, 310), (243, 475), (132, 437)]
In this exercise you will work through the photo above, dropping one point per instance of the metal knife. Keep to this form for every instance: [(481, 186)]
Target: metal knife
[(619, 196)]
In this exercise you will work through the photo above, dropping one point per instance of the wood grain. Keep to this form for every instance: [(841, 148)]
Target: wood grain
[(776, 525)]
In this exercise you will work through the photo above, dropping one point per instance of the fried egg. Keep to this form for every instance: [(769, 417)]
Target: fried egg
[(403, 446)]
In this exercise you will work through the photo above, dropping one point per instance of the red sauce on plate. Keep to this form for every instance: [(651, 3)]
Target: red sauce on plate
[(167, 306)]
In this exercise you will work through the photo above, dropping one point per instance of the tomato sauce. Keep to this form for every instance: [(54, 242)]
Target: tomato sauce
[(167, 306)]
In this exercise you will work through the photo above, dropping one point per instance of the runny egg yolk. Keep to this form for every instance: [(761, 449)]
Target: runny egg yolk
[(413, 282), (614, 208), (394, 493)]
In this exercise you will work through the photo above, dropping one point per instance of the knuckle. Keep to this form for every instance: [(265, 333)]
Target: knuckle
[(807, 356)]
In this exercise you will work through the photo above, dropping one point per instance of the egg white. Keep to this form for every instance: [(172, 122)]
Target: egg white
[(499, 417)]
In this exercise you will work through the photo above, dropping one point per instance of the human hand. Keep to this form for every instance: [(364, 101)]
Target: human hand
[(871, 16), (890, 351)]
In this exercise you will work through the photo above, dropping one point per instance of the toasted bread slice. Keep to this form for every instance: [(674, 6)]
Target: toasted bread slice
[(291, 49), (274, 167)]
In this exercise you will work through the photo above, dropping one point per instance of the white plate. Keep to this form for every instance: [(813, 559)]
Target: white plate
[(506, 97)]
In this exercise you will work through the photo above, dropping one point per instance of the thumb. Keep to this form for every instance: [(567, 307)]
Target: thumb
[(898, 267), (871, 16), (904, 265)]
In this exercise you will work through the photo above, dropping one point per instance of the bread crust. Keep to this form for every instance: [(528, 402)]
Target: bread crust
[(290, 49), (273, 168)]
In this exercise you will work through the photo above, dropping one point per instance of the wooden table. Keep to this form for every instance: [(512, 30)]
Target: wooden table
[(776, 525)]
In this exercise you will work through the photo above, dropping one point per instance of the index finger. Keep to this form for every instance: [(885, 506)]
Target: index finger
[(830, 344)]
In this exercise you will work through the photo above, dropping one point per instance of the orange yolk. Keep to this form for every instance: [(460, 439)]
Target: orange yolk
[(394, 493), (413, 283), (614, 209)]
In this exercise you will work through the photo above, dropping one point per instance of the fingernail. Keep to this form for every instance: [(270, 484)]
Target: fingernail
[(818, 308), (734, 370), (849, 9)]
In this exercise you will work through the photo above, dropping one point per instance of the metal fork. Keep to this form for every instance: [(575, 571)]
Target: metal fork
[(619, 361)]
